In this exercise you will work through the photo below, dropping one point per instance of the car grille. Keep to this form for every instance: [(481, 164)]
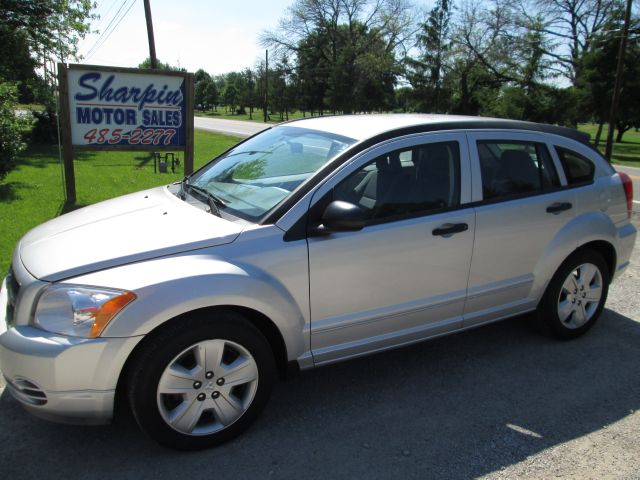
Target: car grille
[(12, 293), (26, 391)]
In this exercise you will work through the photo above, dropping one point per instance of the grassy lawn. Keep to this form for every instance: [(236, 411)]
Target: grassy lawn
[(33, 192), (625, 153), (258, 116)]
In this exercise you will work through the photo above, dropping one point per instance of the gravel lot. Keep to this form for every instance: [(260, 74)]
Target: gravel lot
[(498, 402)]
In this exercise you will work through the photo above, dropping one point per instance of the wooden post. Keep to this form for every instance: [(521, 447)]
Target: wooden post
[(266, 85), (67, 146), (152, 42), (188, 126), (615, 101)]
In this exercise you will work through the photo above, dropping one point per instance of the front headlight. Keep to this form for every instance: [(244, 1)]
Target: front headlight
[(79, 311)]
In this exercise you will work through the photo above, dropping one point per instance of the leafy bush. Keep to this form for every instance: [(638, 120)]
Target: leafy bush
[(45, 128), (12, 127)]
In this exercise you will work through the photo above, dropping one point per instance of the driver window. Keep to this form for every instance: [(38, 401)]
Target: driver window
[(407, 182)]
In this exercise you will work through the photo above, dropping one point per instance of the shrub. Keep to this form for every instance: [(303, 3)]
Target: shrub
[(45, 128), (12, 127)]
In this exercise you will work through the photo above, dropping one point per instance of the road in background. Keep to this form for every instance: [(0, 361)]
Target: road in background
[(236, 128)]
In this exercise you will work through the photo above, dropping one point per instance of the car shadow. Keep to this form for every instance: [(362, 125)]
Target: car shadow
[(457, 407)]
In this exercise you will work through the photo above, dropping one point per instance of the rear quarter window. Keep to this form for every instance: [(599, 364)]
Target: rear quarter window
[(577, 168)]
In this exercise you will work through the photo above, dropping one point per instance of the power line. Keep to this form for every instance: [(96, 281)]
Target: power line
[(106, 14), (115, 26), (105, 30)]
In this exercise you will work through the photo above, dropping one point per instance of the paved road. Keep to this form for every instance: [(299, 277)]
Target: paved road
[(500, 401), (230, 127)]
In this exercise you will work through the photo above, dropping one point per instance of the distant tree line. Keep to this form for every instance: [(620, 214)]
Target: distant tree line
[(541, 60)]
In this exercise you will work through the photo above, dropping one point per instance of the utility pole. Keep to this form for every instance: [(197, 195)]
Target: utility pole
[(266, 85), (615, 101), (152, 43)]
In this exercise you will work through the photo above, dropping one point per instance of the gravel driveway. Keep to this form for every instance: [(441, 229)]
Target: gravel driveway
[(497, 402)]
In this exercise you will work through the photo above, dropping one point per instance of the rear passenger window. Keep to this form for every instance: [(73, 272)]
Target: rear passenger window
[(407, 182), (513, 168), (577, 168)]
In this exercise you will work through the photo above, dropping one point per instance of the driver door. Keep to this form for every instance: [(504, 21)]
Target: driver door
[(403, 277)]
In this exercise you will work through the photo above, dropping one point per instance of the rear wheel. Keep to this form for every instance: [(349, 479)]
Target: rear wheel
[(576, 295), (202, 381)]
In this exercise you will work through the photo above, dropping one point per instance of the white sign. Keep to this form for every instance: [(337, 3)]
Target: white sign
[(126, 109)]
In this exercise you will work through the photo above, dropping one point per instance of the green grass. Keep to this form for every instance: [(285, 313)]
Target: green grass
[(33, 107), (258, 116), (33, 193), (625, 153)]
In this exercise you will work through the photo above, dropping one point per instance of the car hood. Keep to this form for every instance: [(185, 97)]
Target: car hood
[(127, 229)]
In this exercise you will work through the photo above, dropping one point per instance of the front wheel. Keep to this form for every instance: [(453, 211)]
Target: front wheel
[(576, 295), (202, 381)]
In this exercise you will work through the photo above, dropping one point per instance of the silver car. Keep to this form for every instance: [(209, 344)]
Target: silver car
[(312, 242)]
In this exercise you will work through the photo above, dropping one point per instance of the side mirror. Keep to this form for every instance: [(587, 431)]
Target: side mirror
[(341, 216)]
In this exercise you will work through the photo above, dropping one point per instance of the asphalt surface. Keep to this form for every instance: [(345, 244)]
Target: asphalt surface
[(501, 401), (236, 128)]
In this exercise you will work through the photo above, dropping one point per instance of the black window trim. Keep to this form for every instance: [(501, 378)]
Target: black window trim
[(578, 184)]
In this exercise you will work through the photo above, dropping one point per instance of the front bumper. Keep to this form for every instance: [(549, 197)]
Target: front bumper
[(66, 379)]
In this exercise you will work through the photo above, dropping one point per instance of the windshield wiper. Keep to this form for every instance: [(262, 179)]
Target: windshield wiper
[(213, 200), (183, 184)]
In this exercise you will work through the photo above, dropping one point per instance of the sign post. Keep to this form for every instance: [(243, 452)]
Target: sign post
[(110, 108)]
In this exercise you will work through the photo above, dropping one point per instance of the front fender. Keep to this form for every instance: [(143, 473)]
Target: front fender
[(172, 286)]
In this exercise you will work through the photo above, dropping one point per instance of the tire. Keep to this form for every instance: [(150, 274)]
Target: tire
[(183, 399), (576, 295)]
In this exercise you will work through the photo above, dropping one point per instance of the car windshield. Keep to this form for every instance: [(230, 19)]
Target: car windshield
[(255, 176)]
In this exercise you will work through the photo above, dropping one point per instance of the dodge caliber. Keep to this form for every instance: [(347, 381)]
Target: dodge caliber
[(311, 242)]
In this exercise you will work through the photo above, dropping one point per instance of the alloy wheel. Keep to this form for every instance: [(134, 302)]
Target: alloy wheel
[(207, 387)]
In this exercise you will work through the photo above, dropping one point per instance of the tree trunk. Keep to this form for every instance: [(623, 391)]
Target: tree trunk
[(598, 133), (622, 129)]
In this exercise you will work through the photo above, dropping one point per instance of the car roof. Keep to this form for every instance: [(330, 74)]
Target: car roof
[(362, 127)]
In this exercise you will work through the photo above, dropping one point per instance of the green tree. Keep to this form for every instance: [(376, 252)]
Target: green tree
[(146, 63), (201, 82), (36, 33), (339, 42), (211, 97), (595, 87), (11, 127), (426, 73), (230, 96)]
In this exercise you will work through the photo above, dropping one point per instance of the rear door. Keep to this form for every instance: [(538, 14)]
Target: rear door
[(521, 206)]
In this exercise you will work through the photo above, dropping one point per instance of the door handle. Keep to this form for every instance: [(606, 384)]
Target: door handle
[(450, 229), (559, 207)]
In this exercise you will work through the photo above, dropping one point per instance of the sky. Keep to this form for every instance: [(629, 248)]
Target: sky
[(218, 36)]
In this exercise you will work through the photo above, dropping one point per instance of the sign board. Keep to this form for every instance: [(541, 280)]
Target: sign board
[(112, 108), (125, 109)]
